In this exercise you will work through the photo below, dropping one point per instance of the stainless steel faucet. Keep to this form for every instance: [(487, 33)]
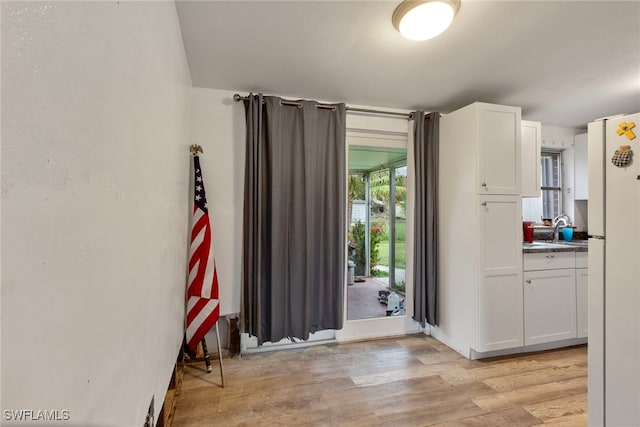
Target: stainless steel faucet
[(560, 219)]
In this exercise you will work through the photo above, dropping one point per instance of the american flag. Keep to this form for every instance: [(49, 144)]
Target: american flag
[(203, 308)]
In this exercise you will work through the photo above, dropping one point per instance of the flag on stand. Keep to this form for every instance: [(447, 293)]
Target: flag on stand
[(203, 308)]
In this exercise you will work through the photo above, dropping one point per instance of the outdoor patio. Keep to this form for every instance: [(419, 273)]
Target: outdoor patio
[(362, 299)]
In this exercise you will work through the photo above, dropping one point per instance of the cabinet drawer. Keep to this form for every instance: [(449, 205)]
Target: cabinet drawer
[(582, 259), (549, 260)]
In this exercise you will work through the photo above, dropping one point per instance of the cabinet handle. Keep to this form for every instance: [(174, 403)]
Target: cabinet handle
[(550, 256), (529, 281), (484, 203), (484, 184)]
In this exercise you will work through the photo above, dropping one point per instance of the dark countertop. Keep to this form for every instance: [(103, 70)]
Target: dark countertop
[(559, 246)]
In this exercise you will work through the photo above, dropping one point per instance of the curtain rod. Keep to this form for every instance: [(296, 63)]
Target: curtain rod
[(237, 98)]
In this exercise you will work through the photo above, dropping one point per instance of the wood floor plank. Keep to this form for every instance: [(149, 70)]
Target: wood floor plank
[(440, 357), (507, 418), (427, 415), (401, 374), (540, 376), (532, 394), (578, 420), (431, 397), (464, 375), (561, 408), (422, 343)]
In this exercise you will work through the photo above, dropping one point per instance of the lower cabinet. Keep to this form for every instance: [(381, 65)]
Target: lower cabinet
[(500, 308), (549, 305), (555, 296)]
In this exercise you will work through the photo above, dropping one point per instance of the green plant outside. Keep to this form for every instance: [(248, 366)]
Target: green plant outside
[(374, 248), (357, 236)]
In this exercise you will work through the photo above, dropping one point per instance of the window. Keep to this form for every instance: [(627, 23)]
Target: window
[(551, 184)]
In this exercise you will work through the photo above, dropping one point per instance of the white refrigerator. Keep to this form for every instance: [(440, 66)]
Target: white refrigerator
[(614, 271)]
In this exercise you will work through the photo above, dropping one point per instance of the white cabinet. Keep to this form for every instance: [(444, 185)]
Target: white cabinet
[(581, 167), (499, 290), (530, 155), (555, 296), (484, 140), (549, 305), (499, 135), (480, 230)]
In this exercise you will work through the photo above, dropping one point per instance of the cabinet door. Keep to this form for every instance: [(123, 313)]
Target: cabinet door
[(581, 167), (582, 279), (530, 165), (549, 305), (500, 312), (499, 155), (500, 282), (500, 235)]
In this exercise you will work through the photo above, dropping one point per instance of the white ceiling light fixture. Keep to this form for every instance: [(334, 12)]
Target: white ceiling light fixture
[(424, 19)]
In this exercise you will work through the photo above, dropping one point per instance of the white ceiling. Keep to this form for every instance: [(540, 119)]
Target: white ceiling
[(564, 62)]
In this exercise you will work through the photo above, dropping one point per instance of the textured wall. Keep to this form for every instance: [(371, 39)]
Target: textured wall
[(95, 134)]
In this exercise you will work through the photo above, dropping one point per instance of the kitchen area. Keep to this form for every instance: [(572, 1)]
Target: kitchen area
[(508, 180), (555, 246), (540, 245)]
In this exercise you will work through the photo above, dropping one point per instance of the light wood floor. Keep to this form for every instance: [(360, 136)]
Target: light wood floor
[(404, 381)]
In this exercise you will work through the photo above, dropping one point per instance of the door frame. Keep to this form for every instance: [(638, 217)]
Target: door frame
[(382, 132)]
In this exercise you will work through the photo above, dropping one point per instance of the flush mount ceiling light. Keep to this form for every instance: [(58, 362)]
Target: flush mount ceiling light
[(424, 19)]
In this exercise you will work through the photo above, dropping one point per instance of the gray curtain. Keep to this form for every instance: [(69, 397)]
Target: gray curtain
[(294, 201), (425, 266)]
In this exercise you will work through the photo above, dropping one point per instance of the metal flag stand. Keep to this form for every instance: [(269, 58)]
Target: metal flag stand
[(219, 354), (207, 359), (195, 149)]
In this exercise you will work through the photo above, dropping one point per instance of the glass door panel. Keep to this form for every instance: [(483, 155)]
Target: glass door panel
[(376, 232)]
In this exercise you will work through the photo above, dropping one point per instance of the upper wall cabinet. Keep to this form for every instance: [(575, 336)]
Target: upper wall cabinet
[(488, 139), (498, 130), (530, 166), (581, 167)]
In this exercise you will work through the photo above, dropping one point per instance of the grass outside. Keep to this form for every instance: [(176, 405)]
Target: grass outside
[(383, 259), (383, 246)]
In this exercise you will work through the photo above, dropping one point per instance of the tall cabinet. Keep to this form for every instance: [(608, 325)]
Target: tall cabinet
[(480, 230)]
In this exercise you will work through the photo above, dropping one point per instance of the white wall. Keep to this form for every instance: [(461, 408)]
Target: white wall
[(218, 125), (95, 163)]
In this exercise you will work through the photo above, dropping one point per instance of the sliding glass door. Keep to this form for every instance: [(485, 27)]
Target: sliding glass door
[(376, 231)]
